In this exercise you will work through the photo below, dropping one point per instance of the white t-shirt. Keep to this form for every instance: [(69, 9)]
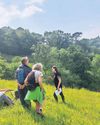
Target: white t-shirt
[(37, 74), (1, 93)]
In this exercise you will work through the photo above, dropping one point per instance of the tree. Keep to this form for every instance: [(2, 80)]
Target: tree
[(76, 62), (96, 64), (76, 36), (11, 41), (96, 72), (2, 67), (41, 53), (58, 39)]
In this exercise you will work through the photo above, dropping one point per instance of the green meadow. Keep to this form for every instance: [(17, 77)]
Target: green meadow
[(82, 108)]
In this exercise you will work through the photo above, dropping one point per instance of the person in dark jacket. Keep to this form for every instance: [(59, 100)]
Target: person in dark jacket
[(21, 73), (58, 84)]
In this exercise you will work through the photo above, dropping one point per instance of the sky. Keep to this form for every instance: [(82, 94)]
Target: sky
[(47, 15)]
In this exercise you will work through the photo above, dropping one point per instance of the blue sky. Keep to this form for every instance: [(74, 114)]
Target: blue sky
[(48, 15)]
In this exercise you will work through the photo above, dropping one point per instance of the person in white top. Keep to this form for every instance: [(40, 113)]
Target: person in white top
[(5, 100)]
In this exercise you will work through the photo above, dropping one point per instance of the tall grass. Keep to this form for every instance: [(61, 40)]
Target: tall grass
[(82, 108)]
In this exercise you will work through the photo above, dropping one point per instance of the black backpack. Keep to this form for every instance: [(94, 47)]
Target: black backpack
[(31, 81)]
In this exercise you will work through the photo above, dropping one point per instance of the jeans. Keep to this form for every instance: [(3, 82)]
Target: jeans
[(22, 93)]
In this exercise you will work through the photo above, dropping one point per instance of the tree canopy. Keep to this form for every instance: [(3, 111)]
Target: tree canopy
[(78, 59)]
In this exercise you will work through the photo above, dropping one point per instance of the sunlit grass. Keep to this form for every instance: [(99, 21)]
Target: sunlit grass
[(83, 108)]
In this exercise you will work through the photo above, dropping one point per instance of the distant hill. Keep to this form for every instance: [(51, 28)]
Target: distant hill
[(18, 42)]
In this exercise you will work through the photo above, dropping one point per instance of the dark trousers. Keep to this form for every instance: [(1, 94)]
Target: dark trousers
[(62, 96), (5, 100), (22, 93)]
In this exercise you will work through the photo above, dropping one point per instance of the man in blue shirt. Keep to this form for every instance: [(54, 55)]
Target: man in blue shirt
[(21, 73)]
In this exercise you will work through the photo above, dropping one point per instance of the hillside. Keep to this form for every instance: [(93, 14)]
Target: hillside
[(77, 58), (13, 40), (83, 108)]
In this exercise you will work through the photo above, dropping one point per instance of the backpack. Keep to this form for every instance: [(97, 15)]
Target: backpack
[(31, 81), (20, 75)]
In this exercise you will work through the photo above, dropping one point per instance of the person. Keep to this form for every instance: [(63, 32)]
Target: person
[(37, 94), (21, 73), (58, 84), (5, 100)]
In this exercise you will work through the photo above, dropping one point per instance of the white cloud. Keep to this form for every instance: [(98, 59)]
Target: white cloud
[(7, 14), (35, 2), (11, 12), (30, 10)]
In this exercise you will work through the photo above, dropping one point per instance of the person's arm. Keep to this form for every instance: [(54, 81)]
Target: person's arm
[(5, 90), (26, 81), (51, 77), (20, 86), (40, 82), (59, 79)]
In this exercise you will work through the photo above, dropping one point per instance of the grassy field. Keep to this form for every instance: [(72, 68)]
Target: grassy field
[(83, 108)]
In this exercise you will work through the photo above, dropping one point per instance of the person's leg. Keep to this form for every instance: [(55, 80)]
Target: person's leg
[(6, 100), (22, 93), (16, 95), (28, 103), (1, 101), (55, 96), (22, 96), (62, 96), (38, 108)]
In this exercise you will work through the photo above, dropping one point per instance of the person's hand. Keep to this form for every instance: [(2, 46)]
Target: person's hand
[(21, 86), (58, 89), (50, 78)]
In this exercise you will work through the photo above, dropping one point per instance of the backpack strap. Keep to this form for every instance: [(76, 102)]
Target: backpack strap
[(27, 70), (31, 81), (31, 77)]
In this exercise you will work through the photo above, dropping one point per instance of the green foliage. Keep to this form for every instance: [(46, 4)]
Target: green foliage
[(7, 70), (16, 59), (76, 58), (17, 42), (77, 61), (2, 67), (41, 54), (96, 73), (58, 39), (71, 79)]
